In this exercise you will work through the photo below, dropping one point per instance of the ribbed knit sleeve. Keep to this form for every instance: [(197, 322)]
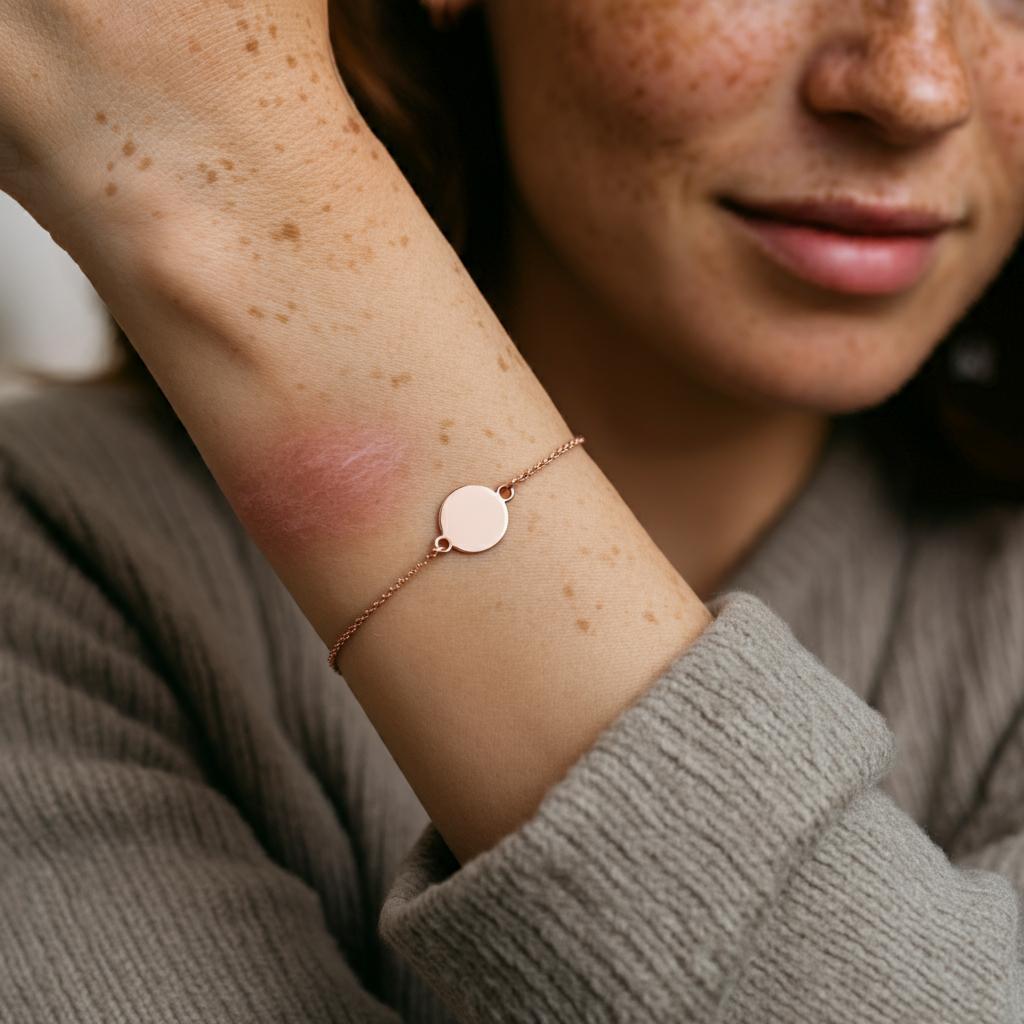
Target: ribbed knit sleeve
[(134, 888), (721, 853)]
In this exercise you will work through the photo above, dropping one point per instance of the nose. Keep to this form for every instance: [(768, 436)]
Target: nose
[(901, 72)]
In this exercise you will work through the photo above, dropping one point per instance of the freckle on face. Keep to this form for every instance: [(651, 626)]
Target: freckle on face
[(332, 482)]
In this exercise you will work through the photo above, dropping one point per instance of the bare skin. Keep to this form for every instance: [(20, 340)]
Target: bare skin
[(340, 372)]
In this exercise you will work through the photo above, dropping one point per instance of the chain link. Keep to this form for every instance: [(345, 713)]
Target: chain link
[(332, 657)]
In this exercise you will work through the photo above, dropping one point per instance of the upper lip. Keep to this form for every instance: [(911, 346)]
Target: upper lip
[(848, 215)]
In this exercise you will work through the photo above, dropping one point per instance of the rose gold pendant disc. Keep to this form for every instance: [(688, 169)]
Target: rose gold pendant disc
[(473, 518)]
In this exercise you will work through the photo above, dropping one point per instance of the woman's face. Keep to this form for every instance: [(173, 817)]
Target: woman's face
[(640, 131)]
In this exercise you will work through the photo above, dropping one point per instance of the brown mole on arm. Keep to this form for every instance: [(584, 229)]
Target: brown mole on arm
[(286, 232)]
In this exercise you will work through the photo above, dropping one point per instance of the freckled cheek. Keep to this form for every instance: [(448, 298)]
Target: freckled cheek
[(666, 92), (1003, 103), (999, 160), (327, 484)]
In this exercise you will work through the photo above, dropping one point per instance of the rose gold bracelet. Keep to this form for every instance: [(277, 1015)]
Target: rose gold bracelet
[(472, 519)]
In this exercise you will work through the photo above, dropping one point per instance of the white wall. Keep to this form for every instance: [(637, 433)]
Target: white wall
[(50, 315)]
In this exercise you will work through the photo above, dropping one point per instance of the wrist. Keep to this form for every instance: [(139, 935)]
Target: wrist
[(156, 203)]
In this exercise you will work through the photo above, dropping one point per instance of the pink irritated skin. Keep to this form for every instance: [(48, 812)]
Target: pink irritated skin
[(332, 483)]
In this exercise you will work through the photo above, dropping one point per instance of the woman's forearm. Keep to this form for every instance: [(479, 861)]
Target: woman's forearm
[(340, 373)]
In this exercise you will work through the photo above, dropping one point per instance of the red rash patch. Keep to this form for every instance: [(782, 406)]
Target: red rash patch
[(334, 483)]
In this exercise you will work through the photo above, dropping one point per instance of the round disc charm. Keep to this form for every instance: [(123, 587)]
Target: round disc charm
[(473, 518)]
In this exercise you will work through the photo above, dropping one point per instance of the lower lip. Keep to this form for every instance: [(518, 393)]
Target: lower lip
[(853, 264)]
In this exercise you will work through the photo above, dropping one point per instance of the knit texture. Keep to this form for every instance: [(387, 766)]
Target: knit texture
[(816, 814)]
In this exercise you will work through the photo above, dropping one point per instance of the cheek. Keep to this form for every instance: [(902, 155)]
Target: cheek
[(1002, 100), (664, 67), (333, 483), (999, 115)]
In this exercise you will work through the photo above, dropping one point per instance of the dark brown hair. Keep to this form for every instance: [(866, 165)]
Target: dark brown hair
[(429, 95)]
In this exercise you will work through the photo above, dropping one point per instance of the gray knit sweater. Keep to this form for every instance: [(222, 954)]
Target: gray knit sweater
[(815, 815)]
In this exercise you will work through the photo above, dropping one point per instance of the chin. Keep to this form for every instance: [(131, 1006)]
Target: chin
[(856, 372)]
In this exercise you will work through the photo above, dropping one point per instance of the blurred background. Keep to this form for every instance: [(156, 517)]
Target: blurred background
[(51, 319)]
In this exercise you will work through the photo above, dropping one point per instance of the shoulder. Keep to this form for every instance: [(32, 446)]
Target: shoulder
[(965, 601), (952, 685), (971, 560)]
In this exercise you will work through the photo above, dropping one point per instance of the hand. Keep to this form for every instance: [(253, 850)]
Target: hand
[(98, 98)]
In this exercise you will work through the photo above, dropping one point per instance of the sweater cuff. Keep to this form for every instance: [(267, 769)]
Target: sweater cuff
[(636, 888)]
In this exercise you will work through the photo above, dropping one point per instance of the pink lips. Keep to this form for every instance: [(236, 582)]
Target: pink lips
[(845, 248)]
